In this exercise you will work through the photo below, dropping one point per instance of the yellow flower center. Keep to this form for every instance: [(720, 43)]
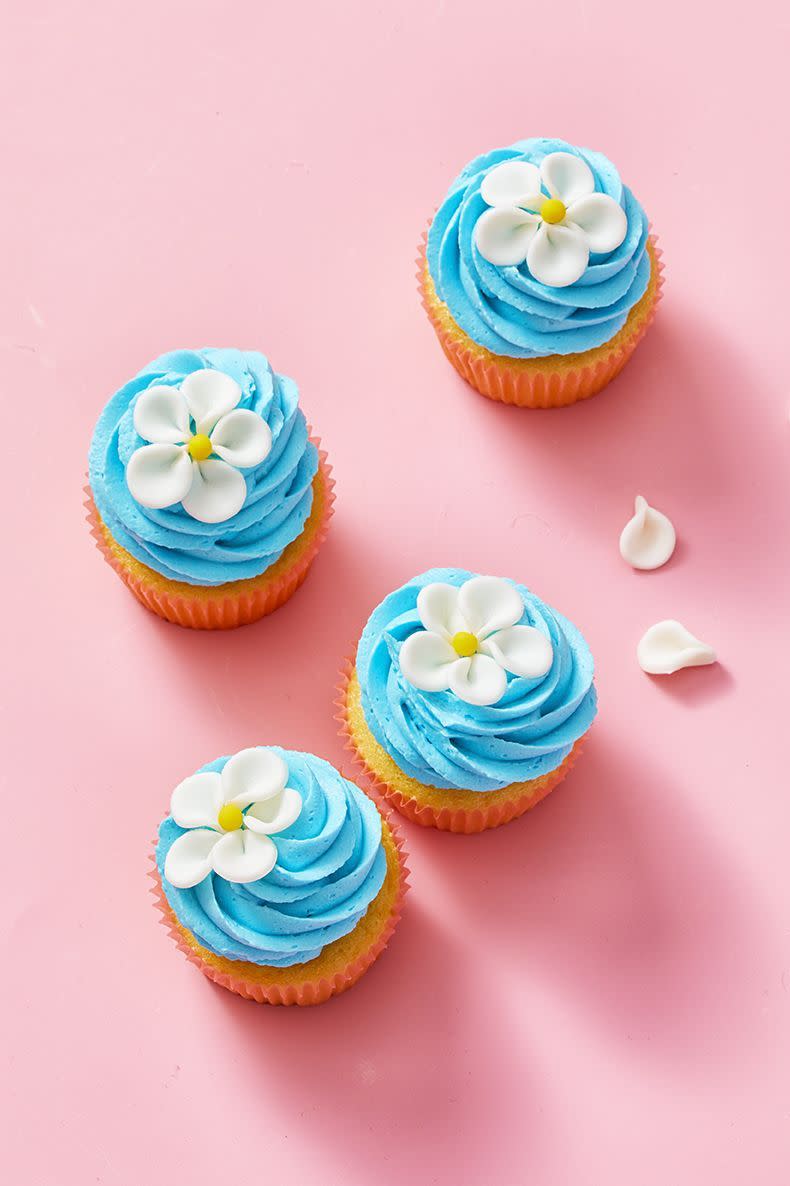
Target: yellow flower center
[(464, 644), (199, 448), (553, 210), (230, 817)]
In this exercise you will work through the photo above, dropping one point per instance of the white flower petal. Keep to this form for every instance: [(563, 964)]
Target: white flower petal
[(558, 255), (567, 177), (209, 395), (479, 680), (276, 814), (217, 492), (510, 183), (196, 801), (159, 475), (488, 604), (437, 606), (243, 856), (668, 646), (602, 219), (252, 776), (503, 235), (426, 660), (188, 859), (520, 649), (242, 438), (161, 416)]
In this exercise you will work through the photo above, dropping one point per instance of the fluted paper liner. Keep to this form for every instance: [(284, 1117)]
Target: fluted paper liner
[(236, 603), (471, 812), (552, 382), (339, 966)]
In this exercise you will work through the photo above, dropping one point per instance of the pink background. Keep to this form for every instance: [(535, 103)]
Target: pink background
[(597, 994)]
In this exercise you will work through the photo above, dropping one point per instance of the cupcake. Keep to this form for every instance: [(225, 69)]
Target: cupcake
[(277, 877), (207, 494), (539, 274), (467, 701)]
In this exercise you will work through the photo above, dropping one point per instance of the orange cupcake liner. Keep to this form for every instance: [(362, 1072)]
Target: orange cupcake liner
[(465, 812), (236, 603), (338, 967), (553, 382)]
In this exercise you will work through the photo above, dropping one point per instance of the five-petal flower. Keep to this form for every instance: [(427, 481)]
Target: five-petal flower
[(554, 231), (200, 440), (229, 819), (471, 639)]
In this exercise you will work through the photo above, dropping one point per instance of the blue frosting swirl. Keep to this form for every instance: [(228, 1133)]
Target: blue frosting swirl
[(279, 490), (505, 309), (330, 866), (439, 739)]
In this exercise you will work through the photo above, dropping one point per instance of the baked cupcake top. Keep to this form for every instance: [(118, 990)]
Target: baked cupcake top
[(269, 855), (201, 466), (539, 249), (473, 683)]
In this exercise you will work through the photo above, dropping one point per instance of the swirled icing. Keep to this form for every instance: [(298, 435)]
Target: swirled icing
[(444, 742), (503, 308), (279, 489), (330, 866)]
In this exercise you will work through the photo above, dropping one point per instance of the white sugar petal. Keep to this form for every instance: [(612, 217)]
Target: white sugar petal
[(602, 219), (217, 492), (159, 475), (489, 603), (426, 659), (209, 394), (242, 438), (275, 814), (196, 801), (161, 416), (668, 646), (522, 650), (437, 606), (188, 859), (503, 235), (566, 176), (558, 255), (648, 539), (510, 183), (243, 856), (479, 680), (252, 776)]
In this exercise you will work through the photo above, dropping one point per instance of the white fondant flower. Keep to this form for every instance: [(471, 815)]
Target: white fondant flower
[(200, 440), (554, 234), (230, 817), (471, 640)]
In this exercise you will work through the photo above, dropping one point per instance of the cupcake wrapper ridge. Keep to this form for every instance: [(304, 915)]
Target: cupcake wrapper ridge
[(461, 820), (302, 989), (221, 607), (554, 382)]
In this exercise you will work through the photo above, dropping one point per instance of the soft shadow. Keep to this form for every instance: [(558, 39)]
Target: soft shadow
[(383, 1073), (613, 894), (696, 685)]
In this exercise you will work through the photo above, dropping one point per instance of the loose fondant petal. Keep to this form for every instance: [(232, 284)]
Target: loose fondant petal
[(648, 539), (668, 646)]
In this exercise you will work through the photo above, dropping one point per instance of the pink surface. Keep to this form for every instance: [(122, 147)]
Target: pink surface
[(597, 994)]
